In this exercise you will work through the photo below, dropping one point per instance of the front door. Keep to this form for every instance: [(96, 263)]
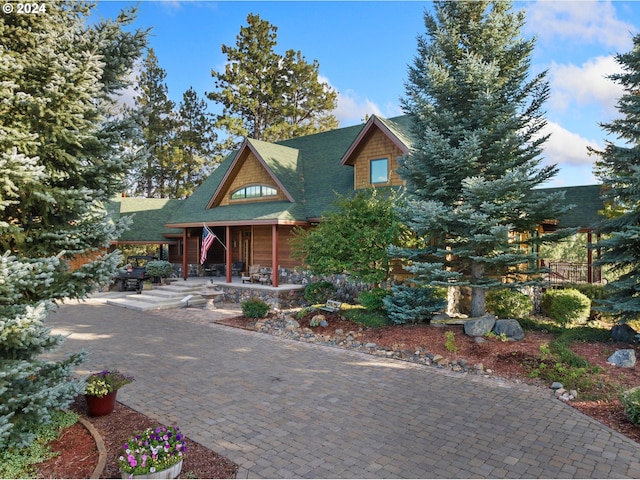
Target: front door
[(246, 249)]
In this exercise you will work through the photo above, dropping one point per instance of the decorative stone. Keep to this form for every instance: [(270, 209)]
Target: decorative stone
[(436, 358), (556, 386), (324, 323), (479, 326), (623, 333), (511, 328), (623, 358), (339, 331), (370, 345), (479, 340)]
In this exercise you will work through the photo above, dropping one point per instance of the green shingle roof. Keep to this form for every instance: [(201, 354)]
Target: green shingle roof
[(587, 203), (149, 217), (310, 170)]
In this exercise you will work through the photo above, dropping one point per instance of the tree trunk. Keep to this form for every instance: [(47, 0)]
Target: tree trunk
[(478, 306)]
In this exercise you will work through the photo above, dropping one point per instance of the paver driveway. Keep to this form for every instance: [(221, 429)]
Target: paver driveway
[(286, 409)]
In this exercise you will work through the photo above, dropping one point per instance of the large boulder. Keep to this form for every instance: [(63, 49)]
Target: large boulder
[(479, 326), (510, 328), (623, 333), (623, 358)]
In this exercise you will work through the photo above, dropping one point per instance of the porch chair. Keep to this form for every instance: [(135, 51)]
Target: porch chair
[(249, 276)]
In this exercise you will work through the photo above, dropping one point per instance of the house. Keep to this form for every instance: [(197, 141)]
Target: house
[(259, 194)]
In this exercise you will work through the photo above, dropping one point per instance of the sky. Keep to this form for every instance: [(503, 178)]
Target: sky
[(364, 49)]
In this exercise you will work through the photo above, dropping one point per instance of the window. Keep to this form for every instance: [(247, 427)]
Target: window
[(379, 170), (254, 191)]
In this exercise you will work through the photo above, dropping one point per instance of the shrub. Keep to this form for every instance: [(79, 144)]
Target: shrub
[(507, 303), (254, 308), (566, 306), (373, 299), (408, 304), (319, 292), (159, 268), (450, 342), (631, 402)]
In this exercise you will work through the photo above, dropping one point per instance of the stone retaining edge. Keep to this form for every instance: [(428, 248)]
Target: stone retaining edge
[(102, 451)]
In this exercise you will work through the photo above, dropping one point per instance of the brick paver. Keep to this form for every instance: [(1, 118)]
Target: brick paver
[(286, 409)]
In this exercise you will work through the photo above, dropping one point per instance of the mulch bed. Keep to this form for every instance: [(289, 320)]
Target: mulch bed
[(79, 455)]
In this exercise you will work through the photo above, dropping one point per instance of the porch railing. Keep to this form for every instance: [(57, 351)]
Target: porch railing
[(572, 272)]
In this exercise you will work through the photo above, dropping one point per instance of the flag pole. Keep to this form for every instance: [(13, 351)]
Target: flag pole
[(214, 236)]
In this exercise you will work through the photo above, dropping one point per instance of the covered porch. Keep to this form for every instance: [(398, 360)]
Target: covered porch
[(256, 254)]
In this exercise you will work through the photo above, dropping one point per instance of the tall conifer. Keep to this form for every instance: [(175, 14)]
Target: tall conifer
[(619, 171), (268, 96), (478, 123), (59, 162)]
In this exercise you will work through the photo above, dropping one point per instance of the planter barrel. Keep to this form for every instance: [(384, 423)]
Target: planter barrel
[(99, 406), (172, 472)]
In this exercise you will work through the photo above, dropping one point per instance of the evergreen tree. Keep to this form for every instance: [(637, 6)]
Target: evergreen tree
[(619, 171), (267, 96), (59, 161), (194, 145), (157, 123), (477, 125)]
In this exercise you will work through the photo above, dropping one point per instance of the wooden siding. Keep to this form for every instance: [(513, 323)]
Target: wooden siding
[(374, 146), (251, 172), (262, 245)]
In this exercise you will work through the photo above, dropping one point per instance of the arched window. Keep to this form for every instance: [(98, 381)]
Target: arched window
[(254, 191)]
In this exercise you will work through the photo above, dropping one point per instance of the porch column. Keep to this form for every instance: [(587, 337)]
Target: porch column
[(185, 266), (274, 255), (229, 253)]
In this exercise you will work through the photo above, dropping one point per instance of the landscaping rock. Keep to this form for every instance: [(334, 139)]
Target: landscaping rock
[(623, 358), (291, 325), (511, 328), (556, 386), (623, 333), (479, 326)]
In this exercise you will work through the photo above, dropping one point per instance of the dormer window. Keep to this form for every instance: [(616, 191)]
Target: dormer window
[(379, 170), (254, 191)]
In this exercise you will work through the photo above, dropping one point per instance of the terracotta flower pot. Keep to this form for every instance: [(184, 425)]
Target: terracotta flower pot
[(99, 406)]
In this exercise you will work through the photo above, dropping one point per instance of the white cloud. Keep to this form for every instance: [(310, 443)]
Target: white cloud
[(585, 84), (351, 109), (585, 22), (566, 148)]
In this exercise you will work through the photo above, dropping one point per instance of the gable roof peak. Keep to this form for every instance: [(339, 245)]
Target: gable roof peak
[(396, 129)]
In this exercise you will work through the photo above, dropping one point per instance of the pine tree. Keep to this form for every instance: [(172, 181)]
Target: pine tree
[(619, 171), (194, 145), (59, 161), (267, 96), (155, 112), (477, 123)]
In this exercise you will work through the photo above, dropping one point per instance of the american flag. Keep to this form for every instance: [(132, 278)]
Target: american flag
[(207, 240)]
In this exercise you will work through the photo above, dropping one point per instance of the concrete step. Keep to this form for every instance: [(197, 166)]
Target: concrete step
[(175, 295), (144, 305)]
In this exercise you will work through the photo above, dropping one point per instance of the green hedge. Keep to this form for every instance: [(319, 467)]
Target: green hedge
[(507, 303), (566, 306)]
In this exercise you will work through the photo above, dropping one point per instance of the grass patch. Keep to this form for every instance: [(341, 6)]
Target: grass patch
[(20, 462), (368, 318), (558, 363)]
